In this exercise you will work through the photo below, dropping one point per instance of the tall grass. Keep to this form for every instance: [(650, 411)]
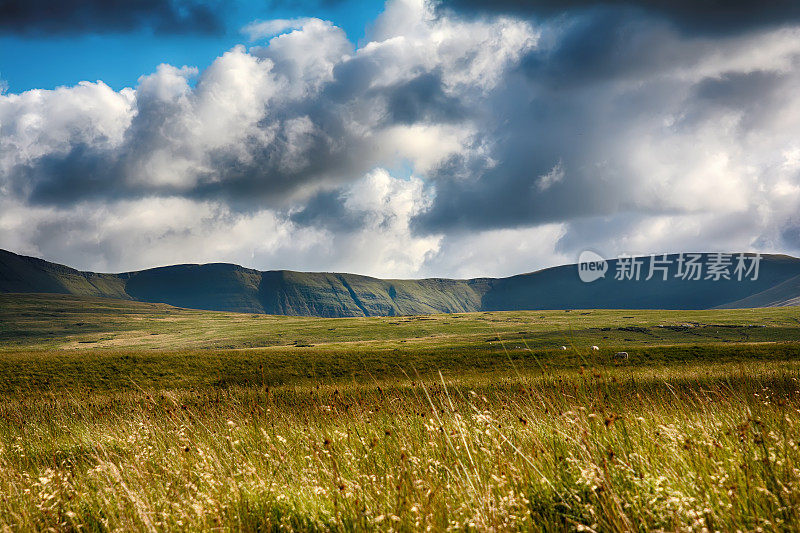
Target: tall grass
[(687, 448)]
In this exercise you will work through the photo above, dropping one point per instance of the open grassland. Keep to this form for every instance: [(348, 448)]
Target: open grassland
[(124, 416), (701, 447), (54, 341)]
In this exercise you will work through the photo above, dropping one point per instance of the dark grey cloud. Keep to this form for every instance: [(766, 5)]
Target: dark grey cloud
[(326, 210), (352, 78), (254, 173), (712, 17), (418, 99), (83, 173), (422, 99), (609, 44), (539, 131), (597, 84), (737, 89), (272, 171), (755, 96), (54, 17)]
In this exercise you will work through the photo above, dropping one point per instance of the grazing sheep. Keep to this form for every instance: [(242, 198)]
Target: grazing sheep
[(620, 355), (595, 348), (564, 348)]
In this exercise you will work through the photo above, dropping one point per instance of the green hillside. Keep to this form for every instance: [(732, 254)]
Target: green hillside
[(227, 287), (333, 295), (19, 273)]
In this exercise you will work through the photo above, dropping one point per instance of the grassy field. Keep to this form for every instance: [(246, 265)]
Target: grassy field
[(125, 416)]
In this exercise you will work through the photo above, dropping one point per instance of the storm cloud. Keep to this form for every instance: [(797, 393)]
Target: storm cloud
[(706, 17), (444, 145), (48, 17)]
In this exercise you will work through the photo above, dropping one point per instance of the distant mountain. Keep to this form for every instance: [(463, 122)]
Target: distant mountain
[(783, 294), (227, 287)]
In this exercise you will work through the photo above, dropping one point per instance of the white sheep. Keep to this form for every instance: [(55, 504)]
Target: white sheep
[(595, 348), (564, 348)]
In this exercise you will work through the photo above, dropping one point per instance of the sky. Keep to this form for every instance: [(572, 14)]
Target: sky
[(455, 138)]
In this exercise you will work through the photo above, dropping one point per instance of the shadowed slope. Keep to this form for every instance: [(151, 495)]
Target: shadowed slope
[(19, 273), (560, 288), (783, 294), (228, 287)]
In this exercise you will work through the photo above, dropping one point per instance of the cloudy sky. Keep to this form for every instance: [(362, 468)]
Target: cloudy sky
[(454, 138)]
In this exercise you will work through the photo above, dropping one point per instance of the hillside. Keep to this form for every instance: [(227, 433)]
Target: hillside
[(227, 287), (783, 294)]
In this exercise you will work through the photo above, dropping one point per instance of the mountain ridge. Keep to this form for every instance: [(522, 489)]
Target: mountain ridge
[(230, 287)]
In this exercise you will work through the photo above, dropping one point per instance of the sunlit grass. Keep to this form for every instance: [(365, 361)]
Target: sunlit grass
[(684, 448), (119, 416)]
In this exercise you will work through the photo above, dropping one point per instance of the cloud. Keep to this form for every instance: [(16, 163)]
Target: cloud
[(132, 234), (260, 126), (48, 17), (683, 125), (498, 253), (445, 145), (707, 17), (422, 100), (555, 175), (260, 29)]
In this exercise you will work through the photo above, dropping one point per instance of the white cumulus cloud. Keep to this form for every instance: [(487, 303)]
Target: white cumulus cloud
[(444, 144)]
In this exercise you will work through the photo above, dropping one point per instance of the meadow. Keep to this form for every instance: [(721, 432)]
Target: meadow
[(142, 417)]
